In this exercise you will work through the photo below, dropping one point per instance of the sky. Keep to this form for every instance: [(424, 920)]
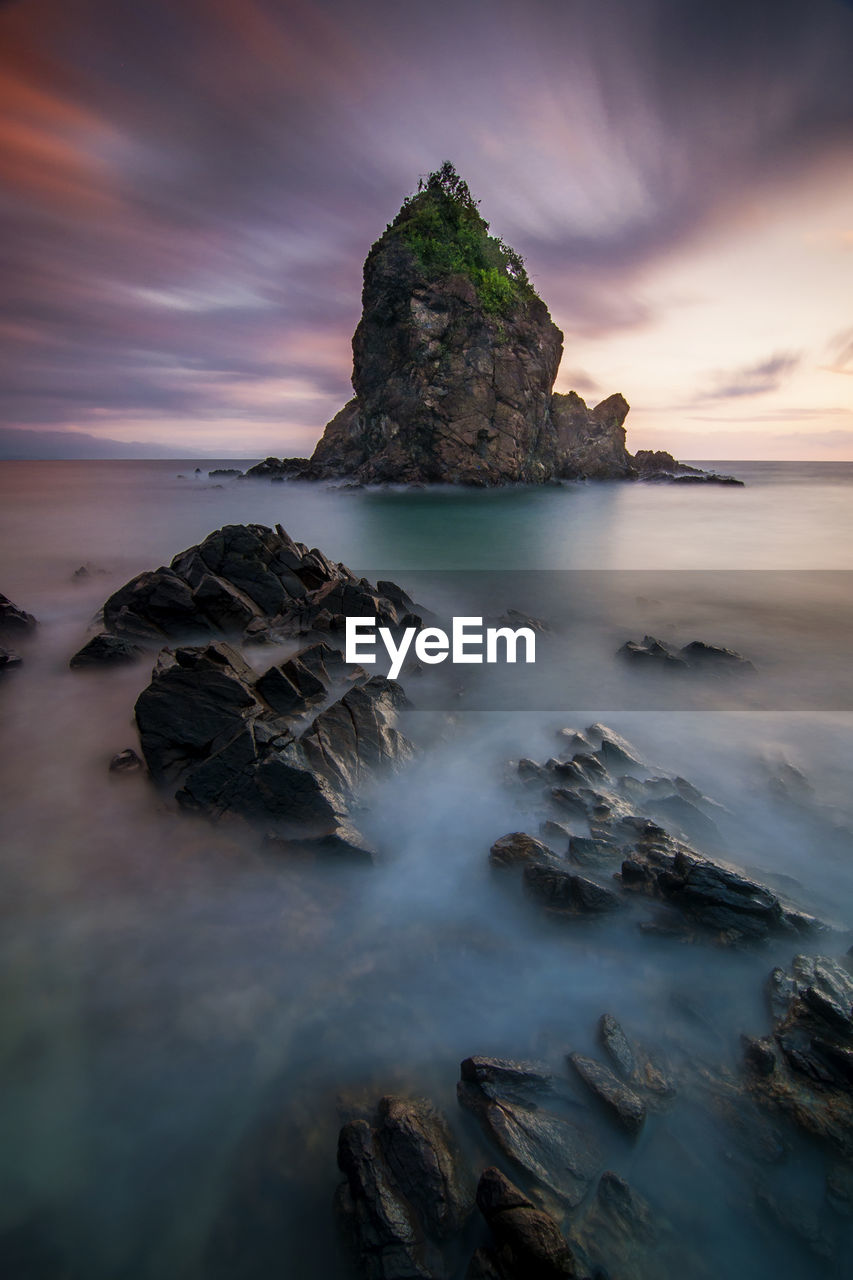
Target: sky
[(188, 190)]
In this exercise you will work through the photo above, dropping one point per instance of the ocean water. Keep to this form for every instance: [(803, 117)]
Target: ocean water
[(184, 1019)]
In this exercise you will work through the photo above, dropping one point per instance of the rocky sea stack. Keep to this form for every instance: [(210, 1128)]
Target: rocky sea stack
[(454, 363)]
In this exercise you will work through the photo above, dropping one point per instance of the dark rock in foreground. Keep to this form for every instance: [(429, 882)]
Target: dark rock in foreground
[(14, 621), (628, 1108), (527, 1243), (249, 582), (406, 1193), (290, 749), (560, 1156)]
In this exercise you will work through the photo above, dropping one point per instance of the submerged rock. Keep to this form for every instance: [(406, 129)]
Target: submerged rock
[(698, 654)]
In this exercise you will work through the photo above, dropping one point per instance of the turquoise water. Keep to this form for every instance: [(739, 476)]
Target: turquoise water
[(181, 1015)]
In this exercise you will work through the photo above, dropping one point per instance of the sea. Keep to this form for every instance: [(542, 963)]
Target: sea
[(187, 1018)]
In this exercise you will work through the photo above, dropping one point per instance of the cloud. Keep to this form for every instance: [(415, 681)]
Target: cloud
[(752, 380), (840, 351), (190, 190)]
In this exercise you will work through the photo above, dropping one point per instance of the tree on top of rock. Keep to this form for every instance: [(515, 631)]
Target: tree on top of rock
[(441, 225)]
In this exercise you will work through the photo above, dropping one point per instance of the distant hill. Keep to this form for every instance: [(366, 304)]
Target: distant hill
[(17, 444)]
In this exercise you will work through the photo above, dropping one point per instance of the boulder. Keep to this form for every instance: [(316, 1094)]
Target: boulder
[(204, 723), (567, 892), (249, 582), (628, 1108), (104, 650), (527, 1243), (518, 849), (560, 1156), (407, 1192), (805, 1066)]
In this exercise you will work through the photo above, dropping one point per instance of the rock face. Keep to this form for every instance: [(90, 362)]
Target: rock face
[(454, 363)]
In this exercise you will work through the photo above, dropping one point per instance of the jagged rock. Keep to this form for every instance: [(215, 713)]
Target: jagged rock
[(701, 654), (518, 849), (560, 1156), (249, 581), (225, 471), (811, 1047), (14, 621), (406, 1191), (105, 650), (205, 721), (527, 1242), (652, 652), (698, 654), (659, 465), (628, 1108), (567, 892)]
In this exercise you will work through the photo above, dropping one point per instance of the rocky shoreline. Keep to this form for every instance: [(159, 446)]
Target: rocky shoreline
[(541, 1184)]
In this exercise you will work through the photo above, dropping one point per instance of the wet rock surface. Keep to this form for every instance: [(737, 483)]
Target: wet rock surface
[(526, 1241), (612, 806), (407, 1192), (559, 1155), (804, 1068)]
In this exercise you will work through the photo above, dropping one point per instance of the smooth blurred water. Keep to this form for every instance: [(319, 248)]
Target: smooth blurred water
[(174, 1002)]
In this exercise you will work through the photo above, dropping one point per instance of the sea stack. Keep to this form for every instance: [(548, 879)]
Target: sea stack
[(454, 363)]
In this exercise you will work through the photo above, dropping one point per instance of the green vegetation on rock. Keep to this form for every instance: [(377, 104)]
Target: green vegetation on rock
[(441, 225)]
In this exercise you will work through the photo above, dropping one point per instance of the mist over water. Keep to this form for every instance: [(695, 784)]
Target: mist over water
[(174, 998)]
